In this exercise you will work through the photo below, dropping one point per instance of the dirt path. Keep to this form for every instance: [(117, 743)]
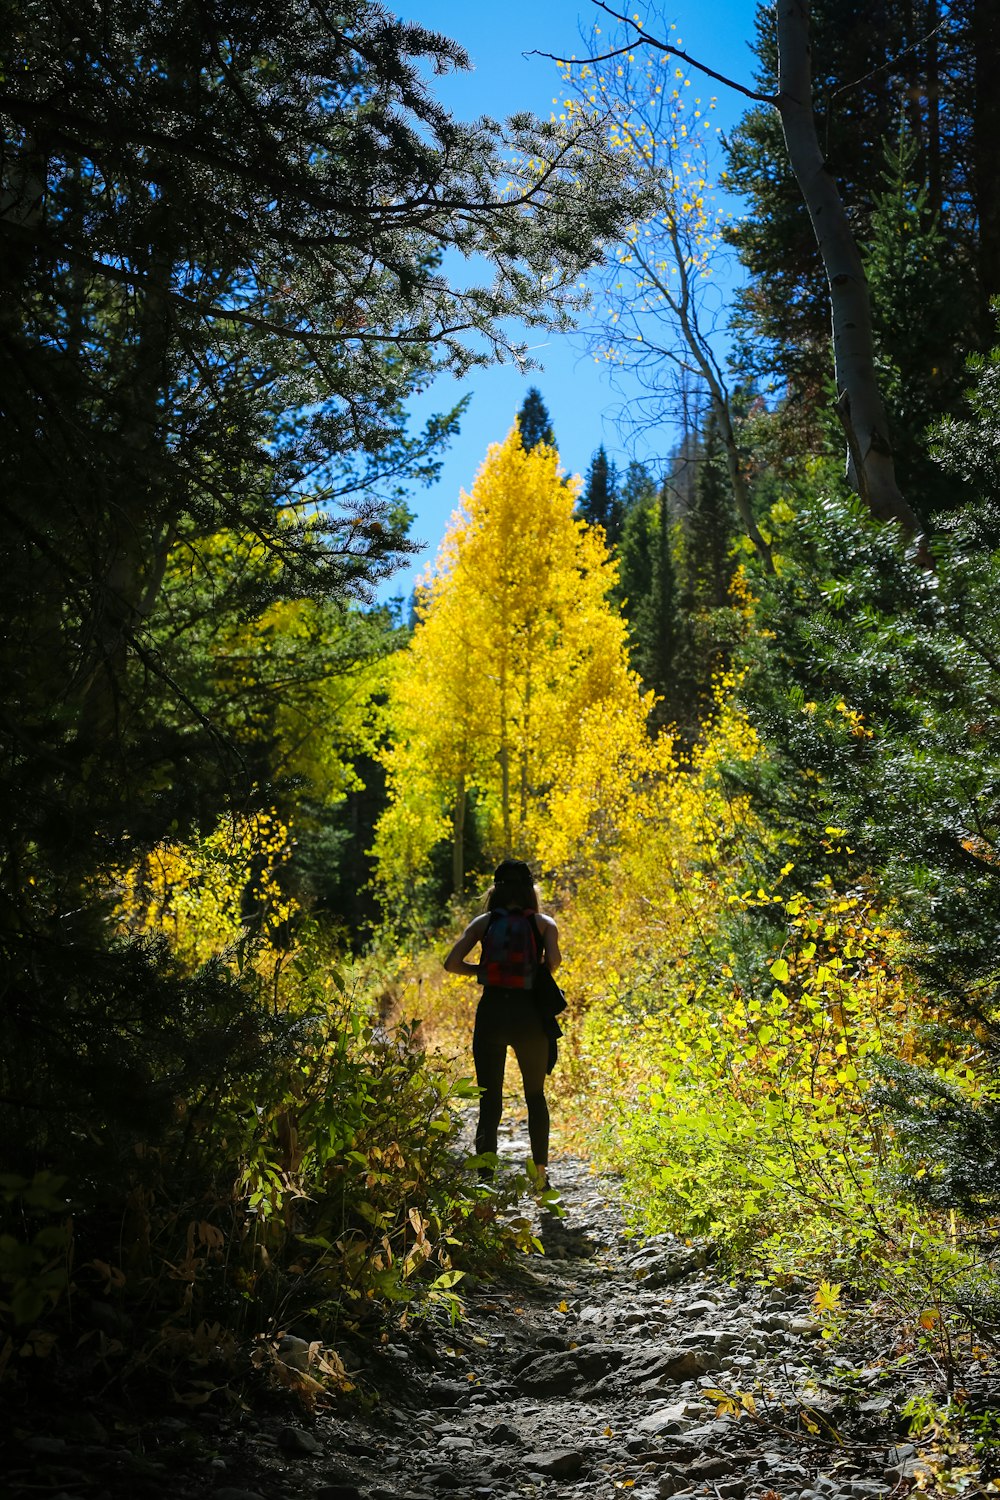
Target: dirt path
[(590, 1375), (600, 1368)]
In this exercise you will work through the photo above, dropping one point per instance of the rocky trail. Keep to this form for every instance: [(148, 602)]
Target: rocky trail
[(608, 1365)]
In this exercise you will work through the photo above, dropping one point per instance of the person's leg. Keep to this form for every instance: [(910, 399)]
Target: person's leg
[(489, 1053), (531, 1048)]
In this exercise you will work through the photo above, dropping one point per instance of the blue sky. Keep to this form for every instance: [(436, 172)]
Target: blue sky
[(581, 402)]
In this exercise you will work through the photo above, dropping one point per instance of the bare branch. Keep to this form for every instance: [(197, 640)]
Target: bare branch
[(643, 40)]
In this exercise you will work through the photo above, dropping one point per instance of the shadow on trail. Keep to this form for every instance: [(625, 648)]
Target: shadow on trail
[(562, 1239)]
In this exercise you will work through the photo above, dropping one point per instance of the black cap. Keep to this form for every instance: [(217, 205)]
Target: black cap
[(513, 872)]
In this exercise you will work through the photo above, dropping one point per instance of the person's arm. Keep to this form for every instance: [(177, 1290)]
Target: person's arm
[(456, 963), (550, 937)]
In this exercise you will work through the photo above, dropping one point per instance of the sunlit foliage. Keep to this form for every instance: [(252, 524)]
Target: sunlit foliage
[(516, 682)]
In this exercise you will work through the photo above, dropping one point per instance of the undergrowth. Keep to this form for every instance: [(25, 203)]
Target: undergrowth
[(281, 1164), (739, 1011)]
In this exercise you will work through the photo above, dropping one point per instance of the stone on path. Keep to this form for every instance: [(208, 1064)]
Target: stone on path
[(560, 1463)]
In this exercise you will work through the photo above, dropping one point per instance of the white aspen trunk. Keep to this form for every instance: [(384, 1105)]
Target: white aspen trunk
[(700, 352), (504, 756), (870, 468), (458, 839)]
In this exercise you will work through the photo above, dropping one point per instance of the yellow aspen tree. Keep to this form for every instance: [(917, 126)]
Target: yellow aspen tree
[(515, 647)]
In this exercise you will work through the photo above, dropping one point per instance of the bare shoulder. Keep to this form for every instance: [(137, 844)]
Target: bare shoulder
[(478, 925), (546, 922)]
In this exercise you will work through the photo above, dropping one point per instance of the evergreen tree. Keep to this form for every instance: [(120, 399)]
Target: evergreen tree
[(600, 503), (647, 591), (710, 526), (920, 295), (221, 228), (638, 487), (533, 422), (866, 78)]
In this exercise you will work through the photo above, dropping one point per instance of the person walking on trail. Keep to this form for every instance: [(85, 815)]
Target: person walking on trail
[(515, 938)]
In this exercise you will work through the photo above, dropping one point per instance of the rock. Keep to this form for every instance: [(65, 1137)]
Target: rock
[(708, 1468), (231, 1492), (445, 1479), (674, 1364), (299, 1443), (910, 1467), (336, 1492), (877, 1406), (669, 1485), (294, 1352), (708, 1433), (456, 1444), (667, 1419), (703, 1308), (719, 1340), (559, 1374), (503, 1433), (448, 1393), (558, 1463)]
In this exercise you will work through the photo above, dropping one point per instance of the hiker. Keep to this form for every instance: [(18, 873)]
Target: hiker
[(515, 938)]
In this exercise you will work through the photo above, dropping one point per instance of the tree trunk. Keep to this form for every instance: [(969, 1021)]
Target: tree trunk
[(703, 357), (870, 468), (933, 86), (525, 740), (985, 39), (138, 536), (504, 758), (458, 840), (737, 479)]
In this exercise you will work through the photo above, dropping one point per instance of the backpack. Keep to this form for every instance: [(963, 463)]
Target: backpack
[(510, 951)]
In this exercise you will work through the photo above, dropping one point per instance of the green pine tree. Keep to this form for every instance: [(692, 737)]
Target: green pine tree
[(534, 423), (921, 294), (600, 503)]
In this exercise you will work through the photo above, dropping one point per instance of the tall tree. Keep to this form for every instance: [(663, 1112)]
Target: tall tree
[(533, 421), (600, 504), (920, 61), (222, 229), (517, 643), (659, 297), (921, 298), (859, 404), (638, 486), (647, 592)]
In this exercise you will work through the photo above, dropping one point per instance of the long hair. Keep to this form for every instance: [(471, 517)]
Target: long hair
[(512, 887)]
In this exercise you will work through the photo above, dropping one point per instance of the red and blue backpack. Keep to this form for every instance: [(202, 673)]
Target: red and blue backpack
[(510, 950)]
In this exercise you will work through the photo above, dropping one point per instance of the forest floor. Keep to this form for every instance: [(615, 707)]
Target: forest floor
[(609, 1365)]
